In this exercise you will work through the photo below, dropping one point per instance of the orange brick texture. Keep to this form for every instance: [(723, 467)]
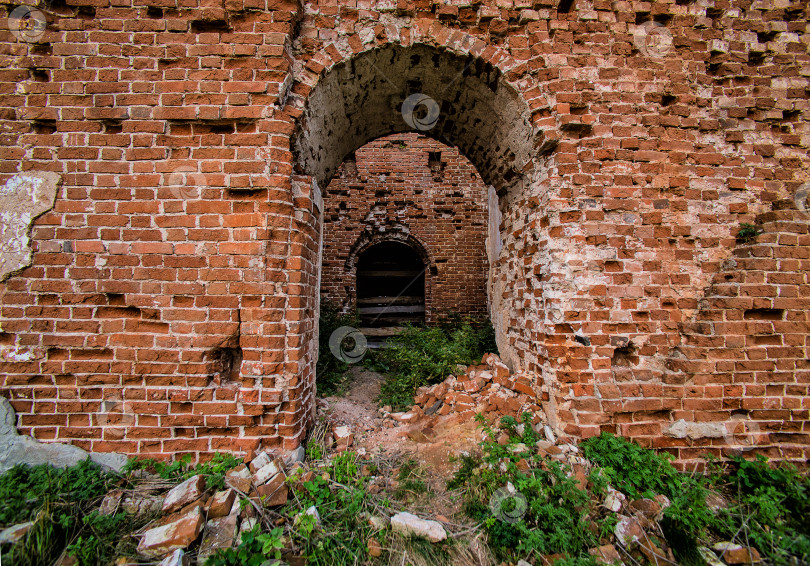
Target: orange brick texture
[(176, 278), (392, 191)]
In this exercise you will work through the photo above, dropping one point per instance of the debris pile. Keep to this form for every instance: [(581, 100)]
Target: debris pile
[(194, 519), (639, 538), (489, 388)]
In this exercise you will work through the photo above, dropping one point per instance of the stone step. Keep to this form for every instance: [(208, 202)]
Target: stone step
[(402, 300), (385, 331), (406, 309)]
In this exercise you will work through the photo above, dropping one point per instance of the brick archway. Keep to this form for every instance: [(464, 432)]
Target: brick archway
[(360, 98), (345, 102), (184, 233)]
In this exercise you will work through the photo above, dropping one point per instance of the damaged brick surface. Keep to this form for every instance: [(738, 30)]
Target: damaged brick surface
[(23, 198), (175, 280)]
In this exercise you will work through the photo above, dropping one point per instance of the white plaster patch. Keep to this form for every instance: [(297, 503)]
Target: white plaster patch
[(23, 198), (18, 354), (692, 430)]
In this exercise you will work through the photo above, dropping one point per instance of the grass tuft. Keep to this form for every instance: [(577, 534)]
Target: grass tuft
[(332, 376), (420, 356), (61, 503)]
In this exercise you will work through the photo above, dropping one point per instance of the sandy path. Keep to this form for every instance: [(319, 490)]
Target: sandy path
[(432, 447)]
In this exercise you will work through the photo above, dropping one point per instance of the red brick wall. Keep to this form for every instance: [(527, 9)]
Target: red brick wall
[(165, 313), (742, 360), (623, 177), (391, 191)]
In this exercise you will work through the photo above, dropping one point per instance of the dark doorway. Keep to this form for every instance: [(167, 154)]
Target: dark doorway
[(390, 285)]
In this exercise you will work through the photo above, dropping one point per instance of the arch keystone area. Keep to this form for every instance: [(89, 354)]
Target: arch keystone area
[(361, 99)]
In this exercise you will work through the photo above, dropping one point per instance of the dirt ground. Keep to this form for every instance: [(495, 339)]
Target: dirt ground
[(374, 435)]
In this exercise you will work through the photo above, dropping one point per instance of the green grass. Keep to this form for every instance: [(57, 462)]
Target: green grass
[(340, 537), (411, 485), (62, 504), (767, 507), (332, 378), (638, 472), (419, 356)]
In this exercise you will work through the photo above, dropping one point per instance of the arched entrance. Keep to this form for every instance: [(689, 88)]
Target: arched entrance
[(461, 100), (464, 101), (390, 285)]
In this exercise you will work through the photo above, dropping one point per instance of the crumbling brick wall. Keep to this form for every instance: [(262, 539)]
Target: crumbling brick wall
[(409, 187), (175, 278), (167, 308), (741, 364)]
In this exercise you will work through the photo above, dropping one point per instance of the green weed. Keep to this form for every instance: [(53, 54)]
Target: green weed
[(314, 452), (62, 504), (317, 439), (255, 549), (748, 232), (549, 513), (98, 534), (419, 356), (638, 472), (214, 470), (411, 484), (332, 378), (770, 509), (344, 507)]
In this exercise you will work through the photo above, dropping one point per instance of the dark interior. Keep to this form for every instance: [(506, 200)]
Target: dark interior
[(390, 285)]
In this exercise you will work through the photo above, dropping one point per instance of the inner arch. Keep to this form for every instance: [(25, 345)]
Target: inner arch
[(361, 99)]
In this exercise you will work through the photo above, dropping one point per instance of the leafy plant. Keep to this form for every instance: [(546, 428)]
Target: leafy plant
[(255, 549), (317, 445), (558, 515), (631, 469), (639, 472), (769, 509), (330, 371), (418, 356), (214, 470), (768, 506), (748, 232), (314, 451), (22, 487)]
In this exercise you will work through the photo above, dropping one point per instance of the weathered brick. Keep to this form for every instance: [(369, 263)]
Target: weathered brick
[(185, 177)]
